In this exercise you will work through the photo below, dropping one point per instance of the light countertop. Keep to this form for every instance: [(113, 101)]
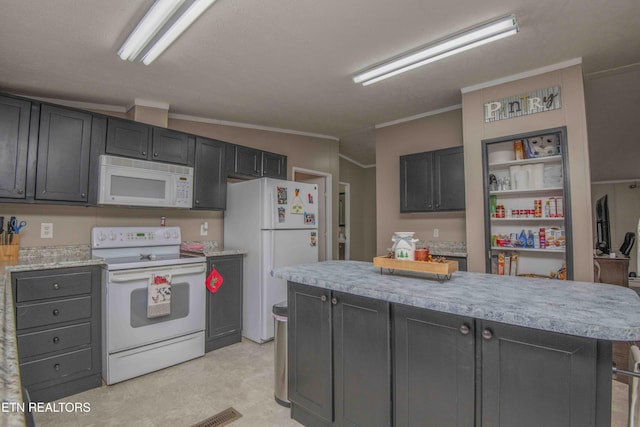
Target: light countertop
[(583, 309)]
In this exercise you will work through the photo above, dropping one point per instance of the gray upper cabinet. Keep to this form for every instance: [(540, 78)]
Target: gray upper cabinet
[(449, 179), (129, 139), (416, 182), (274, 165), (210, 180), (246, 162), (14, 139), (432, 181), (172, 146), (141, 141), (64, 146)]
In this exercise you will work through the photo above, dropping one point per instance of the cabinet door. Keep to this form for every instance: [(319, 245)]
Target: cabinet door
[(416, 183), (63, 155), (449, 179), (129, 139), (248, 161), (14, 140), (362, 375), (434, 368), (172, 146), (224, 308), (532, 378), (274, 165), (310, 349), (210, 181)]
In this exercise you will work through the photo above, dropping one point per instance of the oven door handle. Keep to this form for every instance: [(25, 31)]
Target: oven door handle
[(121, 277)]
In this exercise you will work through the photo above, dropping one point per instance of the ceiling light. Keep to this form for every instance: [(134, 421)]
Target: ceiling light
[(162, 25), (460, 42)]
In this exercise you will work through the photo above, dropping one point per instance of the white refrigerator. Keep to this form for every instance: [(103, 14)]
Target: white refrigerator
[(275, 222)]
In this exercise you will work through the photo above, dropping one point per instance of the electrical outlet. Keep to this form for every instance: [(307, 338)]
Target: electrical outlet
[(204, 228), (436, 232), (46, 230)]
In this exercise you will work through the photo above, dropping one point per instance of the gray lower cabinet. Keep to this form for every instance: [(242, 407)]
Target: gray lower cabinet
[(434, 370), (64, 149), (224, 308), (15, 117), (532, 378), (339, 358), (445, 370), (58, 328), (210, 175)]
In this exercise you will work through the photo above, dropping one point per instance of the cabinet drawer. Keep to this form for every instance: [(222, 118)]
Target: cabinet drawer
[(55, 367), (47, 313), (52, 286), (53, 340)]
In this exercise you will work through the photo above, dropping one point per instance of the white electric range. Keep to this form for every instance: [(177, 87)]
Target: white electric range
[(134, 344)]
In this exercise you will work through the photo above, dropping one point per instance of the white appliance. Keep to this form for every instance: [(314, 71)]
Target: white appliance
[(132, 343), (133, 182), (275, 221)]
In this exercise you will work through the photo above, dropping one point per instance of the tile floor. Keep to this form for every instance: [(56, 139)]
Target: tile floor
[(240, 376)]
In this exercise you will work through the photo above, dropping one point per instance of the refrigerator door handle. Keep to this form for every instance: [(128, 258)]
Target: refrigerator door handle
[(273, 251)]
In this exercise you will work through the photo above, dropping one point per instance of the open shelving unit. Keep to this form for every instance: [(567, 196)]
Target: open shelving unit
[(531, 260)]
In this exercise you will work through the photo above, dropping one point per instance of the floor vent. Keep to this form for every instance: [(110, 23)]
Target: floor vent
[(220, 419)]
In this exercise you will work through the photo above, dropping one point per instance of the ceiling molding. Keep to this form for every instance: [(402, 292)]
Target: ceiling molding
[(137, 102), (349, 159), (635, 67), (249, 126), (419, 116), (520, 76)]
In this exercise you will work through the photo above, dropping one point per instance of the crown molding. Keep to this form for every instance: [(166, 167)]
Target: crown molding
[(137, 102), (349, 159), (520, 76), (249, 126), (420, 116), (77, 104)]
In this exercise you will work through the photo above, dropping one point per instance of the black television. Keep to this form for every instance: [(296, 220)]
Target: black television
[(603, 229)]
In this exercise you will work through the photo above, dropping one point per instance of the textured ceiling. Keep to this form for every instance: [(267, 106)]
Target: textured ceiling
[(288, 63)]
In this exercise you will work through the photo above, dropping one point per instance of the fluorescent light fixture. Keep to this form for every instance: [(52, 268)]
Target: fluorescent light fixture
[(460, 42), (163, 23)]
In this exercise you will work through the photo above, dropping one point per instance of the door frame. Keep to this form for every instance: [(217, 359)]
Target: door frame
[(347, 219), (328, 206)]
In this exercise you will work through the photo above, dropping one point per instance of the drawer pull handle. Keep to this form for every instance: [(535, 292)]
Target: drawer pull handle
[(56, 286), (56, 366), (465, 329), (323, 298), (56, 340), (144, 153), (334, 301), (56, 312), (487, 334)]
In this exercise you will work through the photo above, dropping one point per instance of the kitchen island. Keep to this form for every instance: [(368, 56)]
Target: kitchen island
[(478, 349)]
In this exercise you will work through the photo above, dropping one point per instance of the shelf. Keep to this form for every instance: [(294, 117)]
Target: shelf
[(527, 219), (549, 159), (528, 192), (546, 251)]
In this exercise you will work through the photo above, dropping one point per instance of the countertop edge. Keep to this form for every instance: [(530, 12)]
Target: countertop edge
[(553, 322)]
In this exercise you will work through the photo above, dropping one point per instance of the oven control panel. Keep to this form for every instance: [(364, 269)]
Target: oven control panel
[(121, 237)]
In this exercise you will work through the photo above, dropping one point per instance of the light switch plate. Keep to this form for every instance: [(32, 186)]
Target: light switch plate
[(204, 228), (436, 232), (46, 230)]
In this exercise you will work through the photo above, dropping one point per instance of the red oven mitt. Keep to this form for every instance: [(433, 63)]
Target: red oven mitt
[(214, 281)]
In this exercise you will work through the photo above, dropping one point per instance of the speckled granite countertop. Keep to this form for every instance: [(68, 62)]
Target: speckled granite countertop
[(576, 308), (29, 259), (436, 247), (210, 248)]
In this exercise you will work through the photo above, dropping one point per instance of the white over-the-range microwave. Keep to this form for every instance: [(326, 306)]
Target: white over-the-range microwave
[(132, 182)]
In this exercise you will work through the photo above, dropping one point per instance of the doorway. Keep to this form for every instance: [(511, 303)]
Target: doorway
[(344, 219), (323, 181)]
